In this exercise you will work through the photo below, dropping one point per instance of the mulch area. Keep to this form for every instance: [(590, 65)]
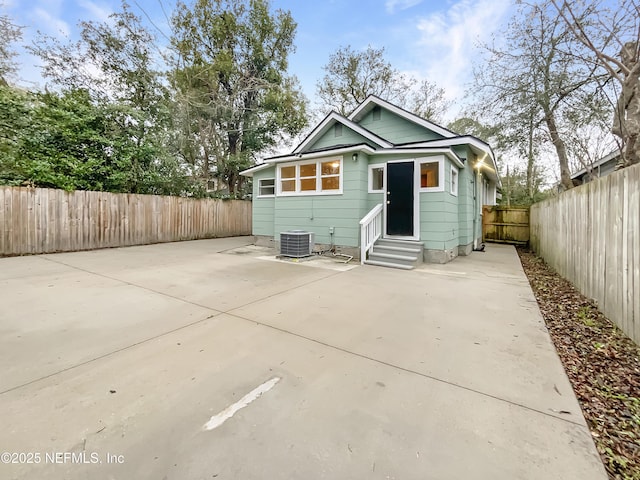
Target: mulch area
[(602, 363)]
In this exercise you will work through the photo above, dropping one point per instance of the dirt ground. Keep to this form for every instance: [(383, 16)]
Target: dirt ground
[(603, 365)]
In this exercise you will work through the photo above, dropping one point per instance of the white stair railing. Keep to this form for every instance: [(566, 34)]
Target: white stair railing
[(370, 230)]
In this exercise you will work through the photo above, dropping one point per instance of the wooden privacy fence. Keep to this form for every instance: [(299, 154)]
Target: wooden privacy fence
[(591, 236), (505, 224), (43, 220)]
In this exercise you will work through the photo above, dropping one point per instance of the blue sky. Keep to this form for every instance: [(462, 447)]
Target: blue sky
[(427, 39)]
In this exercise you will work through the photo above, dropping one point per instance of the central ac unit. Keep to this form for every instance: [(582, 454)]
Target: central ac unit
[(296, 243)]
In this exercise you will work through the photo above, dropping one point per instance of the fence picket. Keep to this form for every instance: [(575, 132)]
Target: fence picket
[(591, 235), (43, 220)]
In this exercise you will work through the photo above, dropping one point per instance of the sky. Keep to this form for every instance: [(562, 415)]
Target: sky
[(428, 39)]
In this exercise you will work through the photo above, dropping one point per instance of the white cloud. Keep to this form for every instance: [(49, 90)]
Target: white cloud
[(46, 22), (394, 5), (448, 42), (97, 11)]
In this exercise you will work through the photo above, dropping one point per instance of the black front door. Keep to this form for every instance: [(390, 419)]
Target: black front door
[(400, 199)]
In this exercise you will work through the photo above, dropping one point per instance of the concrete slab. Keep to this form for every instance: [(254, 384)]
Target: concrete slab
[(441, 372), (459, 323)]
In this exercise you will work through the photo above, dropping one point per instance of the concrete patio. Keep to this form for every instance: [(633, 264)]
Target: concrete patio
[(115, 361)]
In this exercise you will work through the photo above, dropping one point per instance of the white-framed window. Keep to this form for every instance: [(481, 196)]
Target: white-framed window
[(432, 174), (318, 177), (454, 181), (376, 178), (266, 187)]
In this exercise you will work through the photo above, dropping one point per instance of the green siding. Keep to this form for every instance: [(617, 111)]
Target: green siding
[(348, 137), (316, 213), (439, 225), (396, 129), (446, 220), (263, 208), (467, 208)]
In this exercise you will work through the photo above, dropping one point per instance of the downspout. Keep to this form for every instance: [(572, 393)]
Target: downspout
[(475, 201), (476, 209)]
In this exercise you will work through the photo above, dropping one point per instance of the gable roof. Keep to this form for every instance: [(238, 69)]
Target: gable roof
[(371, 101), (374, 145), (329, 121)]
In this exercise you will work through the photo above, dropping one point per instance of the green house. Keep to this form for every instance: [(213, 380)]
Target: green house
[(382, 184)]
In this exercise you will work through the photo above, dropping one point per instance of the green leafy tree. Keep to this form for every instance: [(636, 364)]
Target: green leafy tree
[(114, 61), (58, 141), (229, 73), (69, 141), (14, 121)]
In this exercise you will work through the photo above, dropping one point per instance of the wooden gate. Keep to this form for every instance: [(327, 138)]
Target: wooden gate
[(503, 224)]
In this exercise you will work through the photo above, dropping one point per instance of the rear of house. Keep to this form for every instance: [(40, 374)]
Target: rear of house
[(381, 170)]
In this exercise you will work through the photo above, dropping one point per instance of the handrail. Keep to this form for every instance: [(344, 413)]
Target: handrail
[(370, 230)]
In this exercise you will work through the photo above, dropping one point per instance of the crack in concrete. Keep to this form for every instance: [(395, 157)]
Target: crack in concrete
[(218, 313)]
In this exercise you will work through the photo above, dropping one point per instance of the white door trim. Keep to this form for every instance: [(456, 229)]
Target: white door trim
[(416, 201)]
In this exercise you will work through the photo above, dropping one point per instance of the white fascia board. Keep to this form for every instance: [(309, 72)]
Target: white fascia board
[(402, 113), (419, 151), (477, 145), (455, 141), (597, 163), (324, 126), (249, 171), (323, 153)]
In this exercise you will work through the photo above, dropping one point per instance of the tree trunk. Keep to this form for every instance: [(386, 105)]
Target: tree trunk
[(626, 120), (234, 140), (508, 189), (561, 150), (530, 161)]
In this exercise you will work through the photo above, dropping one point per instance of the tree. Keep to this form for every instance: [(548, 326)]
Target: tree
[(538, 84), (609, 28), (229, 73), (351, 76), (114, 62), (428, 101), (520, 186), (69, 141), (9, 33)]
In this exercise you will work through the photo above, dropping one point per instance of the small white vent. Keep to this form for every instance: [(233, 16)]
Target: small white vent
[(296, 243)]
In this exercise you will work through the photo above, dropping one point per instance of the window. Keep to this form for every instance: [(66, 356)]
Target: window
[(337, 130), (454, 181), (376, 178), (330, 175), (432, 174), (288, 176), (320, 177), (308, 177), (429, 175), (266, 187)]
